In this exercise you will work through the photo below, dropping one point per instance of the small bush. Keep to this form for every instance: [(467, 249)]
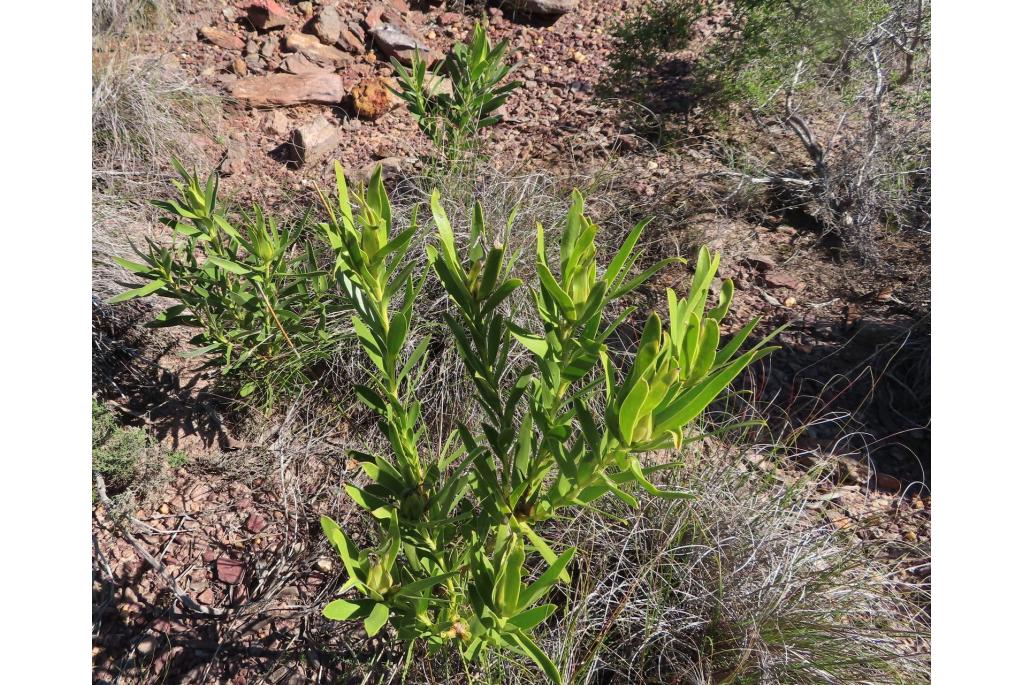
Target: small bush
[(458, 530), (257, 295), (117, 452), (837, 91), (453, 120)]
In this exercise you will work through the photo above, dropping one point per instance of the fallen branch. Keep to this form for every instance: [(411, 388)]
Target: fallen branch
[(172, 583)]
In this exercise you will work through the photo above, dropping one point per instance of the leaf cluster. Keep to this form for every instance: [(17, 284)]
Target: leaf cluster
[(255, 293), (458, 530), (452, 120)]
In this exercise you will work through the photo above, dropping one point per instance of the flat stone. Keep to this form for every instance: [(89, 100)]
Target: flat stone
[(255, 523), (222, 38), (230, 571), (327, 26), (780, 279), (400, 43), (311, 47), (759, 261), (266, 15), (544, 7)]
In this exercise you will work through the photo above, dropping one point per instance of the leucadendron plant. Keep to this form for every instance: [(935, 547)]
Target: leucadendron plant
[(254, 292), (452, 118), (461, 559)]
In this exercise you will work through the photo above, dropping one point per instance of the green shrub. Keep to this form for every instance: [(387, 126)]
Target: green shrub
[(844, 83), (117, 452), (256, 295), (459, 530), (453, 120), (758, 55)]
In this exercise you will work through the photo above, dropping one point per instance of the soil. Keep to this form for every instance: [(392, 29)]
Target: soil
[(850, 386)]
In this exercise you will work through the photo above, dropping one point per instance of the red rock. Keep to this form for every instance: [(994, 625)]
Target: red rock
[(545, 7), (289, 89), (780, 279), (210, 555), (759, 261), (449, 18), (206, 597), (222, 38), (311, 47), (230, 570), (265, 14), (255, 523), (349, 40), (402, 43)]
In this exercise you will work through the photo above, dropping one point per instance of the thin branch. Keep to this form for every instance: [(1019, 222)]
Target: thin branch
[(168, 578)]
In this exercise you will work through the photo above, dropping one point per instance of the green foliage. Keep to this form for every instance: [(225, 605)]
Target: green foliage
[(255, 294), (459, 538), (116, 451), (777, 34), (177, 459), (759, 55), (656, 28), (453, 120)]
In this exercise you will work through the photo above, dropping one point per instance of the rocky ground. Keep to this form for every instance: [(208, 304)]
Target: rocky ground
[(232, 529)]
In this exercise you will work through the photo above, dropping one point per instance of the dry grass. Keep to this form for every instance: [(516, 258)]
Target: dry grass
[(144, 112), (116, 18), (743, 584)]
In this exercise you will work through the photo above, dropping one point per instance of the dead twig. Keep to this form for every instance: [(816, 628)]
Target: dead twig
[(171, 582)]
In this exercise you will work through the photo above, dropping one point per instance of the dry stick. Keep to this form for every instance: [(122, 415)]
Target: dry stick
[(169, 579), (277, 320)]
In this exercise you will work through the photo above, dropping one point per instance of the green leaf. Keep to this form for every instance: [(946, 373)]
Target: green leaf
[(535, 344), (555, 572), (499, 295), (549, 556), (539, 657), (134, 267), (376, 620), (691, 403), (611, 274), (414, 358), (350, 555), (200, 351), (227, 265), (645, 276), (629, 411), (724, 301), (531, 618), (145, 290), (343, 610), (416, 588), (396, 334), (551, 287)]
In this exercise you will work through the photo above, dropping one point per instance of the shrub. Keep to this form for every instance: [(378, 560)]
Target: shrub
[(453, 120), (832, 88), (257, 296), (117, 452), (458, 532)]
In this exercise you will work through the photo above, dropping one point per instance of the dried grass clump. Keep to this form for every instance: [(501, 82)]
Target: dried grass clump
[(144, 112), (115, 18), (742, 584)]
